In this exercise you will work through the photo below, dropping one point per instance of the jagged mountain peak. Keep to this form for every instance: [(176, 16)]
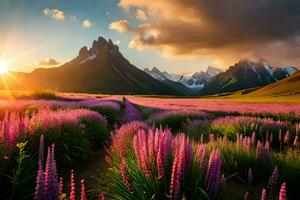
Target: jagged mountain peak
[(99, 45)]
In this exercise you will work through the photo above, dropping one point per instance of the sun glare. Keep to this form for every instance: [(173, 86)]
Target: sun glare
[(3, 67)]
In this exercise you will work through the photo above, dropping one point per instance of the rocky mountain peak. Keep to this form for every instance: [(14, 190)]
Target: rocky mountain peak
[(99, 45)]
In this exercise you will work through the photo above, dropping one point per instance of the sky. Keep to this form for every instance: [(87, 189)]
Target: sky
[(177, 36)]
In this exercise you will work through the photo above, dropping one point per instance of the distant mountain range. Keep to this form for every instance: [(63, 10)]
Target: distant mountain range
[(245, 74), (103, 69), (100, 69), (194, 81)]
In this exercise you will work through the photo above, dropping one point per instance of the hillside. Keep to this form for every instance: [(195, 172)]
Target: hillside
[(289, 86)]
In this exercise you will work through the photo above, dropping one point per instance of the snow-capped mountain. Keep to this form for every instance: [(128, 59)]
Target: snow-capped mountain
[(195, 80), (246, 74)]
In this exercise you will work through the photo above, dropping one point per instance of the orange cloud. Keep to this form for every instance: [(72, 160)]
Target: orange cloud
[(121, 26), (141, 15)]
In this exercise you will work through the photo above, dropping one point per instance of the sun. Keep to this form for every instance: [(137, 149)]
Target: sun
[(3, 67)]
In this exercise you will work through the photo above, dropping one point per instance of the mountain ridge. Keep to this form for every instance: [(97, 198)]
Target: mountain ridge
[(100, 69)]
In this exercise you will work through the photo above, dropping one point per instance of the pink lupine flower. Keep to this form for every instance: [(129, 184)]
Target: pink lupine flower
[(140, 146), (286, 138), (258, 149), (253, 138), (124, 174), (296, 141), (82, 194), (282, 193), (202, 157), (246, 196), (271, 137), (102, 196), (179, 168), (223, 180), (72, 193), (267, 145), (273, 181), (160, 163), (280, 136), (250, 177), (61, 185), (263, 194)]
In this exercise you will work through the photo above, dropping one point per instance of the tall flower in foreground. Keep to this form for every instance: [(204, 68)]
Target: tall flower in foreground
[(39, 189), (264, 194), (124, 174), (246, 196), (282, 193), (47, 186), (212, 177), (273, 181), (250, 176), (82, 194), (72, 193), (179, 168)]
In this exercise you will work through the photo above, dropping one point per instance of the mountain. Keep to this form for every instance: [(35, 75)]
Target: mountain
[(195, 80), (243, 75), (289, 86), (100, 69)]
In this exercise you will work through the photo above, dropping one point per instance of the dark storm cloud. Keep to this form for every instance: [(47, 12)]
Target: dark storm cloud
[(218, 28)]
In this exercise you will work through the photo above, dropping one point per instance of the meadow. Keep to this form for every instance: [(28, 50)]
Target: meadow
[(76, 146)]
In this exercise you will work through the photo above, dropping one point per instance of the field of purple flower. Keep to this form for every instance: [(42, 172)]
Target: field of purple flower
[(154, 149)]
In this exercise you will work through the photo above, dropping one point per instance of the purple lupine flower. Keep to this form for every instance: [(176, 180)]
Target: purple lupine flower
[(131, 113), (263, 194), (47, 172), (82, 193), (125, 178), (51, 188), (212, 177), (39, 189), (250, 177), (282, 193), (41, 149), (72, 193), (273, 181)]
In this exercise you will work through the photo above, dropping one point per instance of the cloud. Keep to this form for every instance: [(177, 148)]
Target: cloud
[(121, 26), (223, 31), (141, 15), (87, 23), (117, 42), (54, 13), (49, 61)]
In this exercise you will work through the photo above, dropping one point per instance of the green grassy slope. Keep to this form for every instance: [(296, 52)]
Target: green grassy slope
[(289, 86)]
